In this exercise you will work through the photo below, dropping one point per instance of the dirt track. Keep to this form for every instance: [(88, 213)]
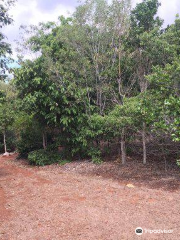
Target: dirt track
[(51, 203)]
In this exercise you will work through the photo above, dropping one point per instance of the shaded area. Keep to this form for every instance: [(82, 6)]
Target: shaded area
[(154, 174)]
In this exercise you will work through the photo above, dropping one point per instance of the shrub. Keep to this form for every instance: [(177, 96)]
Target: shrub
[(43, 157), (10, 141), (97, 160), (52, 147), (95, 155), (29, 141)]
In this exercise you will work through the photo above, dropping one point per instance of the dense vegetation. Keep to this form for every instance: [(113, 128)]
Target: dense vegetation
[(106, 78)]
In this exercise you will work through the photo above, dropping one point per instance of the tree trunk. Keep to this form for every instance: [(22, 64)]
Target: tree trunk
[(123, 147), (164, 156), (5, 145), (144, 143), (44, 140)]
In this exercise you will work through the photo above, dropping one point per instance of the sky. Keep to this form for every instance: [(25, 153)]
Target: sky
[(27, 12)]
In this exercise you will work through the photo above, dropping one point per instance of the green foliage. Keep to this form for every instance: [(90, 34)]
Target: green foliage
[(28, 142), (29, 136), (105, 74), (95, 154), (143, 16), (97, 160), (165, 83), (43, 157), (10, 141), (5, 48), (7, 114)]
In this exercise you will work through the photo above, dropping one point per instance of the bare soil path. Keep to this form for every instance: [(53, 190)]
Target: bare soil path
[(63, 203)]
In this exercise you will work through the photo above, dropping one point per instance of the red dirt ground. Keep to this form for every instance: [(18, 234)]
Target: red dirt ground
[(82, 201)]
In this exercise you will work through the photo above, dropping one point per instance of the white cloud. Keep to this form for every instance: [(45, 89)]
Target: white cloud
[(27, 12), (168, 10)]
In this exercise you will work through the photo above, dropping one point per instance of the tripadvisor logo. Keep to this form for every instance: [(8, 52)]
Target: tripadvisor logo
[(139, 231)]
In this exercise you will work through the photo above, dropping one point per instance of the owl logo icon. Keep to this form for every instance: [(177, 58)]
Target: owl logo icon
[(139, 231)]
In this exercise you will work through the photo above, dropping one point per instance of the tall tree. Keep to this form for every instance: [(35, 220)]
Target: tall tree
[(144, 26), (7, 110)]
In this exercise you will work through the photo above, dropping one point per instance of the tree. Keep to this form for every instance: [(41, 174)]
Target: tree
[(166, 84), (5, 48), (53, 104), (98, 76), (6, 111), (87, 50), (144, 42)]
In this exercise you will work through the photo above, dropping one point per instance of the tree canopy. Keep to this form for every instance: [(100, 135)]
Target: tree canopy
[(109, 74)]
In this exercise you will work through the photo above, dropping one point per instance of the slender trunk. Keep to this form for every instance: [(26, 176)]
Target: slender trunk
[(97, 143), (121, 95), (144, 143), (108, 145), (123, 147), (164, 156), (5, 145), (100, 101), (44, 140), (165, 163)]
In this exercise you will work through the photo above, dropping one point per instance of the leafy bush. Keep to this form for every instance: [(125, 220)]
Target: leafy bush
[(52, 147), (43, 157), (30, 140), (10, 141), (97, 160), (95, 155)]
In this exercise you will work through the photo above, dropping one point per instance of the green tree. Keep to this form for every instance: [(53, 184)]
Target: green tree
[(148, 48), (7, 112), (5, 47)]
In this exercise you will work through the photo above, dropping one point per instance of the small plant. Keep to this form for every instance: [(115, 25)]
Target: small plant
[(95, 155), (178, 162), (97, 160)]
